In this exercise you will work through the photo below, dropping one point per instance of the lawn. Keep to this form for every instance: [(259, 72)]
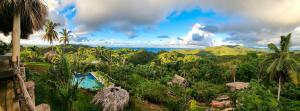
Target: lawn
[(37, 67)]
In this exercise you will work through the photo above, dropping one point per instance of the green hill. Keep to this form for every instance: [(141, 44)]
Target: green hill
[(227, 50), (189, 52)]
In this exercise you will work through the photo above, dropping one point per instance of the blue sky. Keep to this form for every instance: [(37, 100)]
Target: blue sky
[(173, 23)]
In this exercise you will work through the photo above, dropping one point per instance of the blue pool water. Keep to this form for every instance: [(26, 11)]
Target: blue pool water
[(88, 82)]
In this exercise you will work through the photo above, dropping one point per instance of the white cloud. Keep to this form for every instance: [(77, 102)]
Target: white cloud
[(126, 15), (197, 36), (53, 7), (4, 38), (276, 12)]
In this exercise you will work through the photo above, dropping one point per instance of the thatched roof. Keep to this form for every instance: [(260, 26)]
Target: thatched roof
[(33, 15), (237, 85), (49, 55), (179, 80), (111, 99)]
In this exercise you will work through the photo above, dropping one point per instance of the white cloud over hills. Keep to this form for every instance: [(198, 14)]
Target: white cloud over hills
[(251, 23)]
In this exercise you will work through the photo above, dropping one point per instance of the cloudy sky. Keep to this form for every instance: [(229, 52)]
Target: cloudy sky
[(174, 23)]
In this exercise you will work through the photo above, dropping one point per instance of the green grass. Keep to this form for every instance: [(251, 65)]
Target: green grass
[(38, 67), (227, 50), (189, 52)]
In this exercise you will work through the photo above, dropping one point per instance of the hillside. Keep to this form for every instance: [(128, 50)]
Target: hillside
[(189, 52), (227, 50)]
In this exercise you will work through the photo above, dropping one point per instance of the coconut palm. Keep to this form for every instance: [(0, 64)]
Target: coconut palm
[(51, 35), (111, 99), (233, 70), (21, 17), (281, 65), (65, 37)]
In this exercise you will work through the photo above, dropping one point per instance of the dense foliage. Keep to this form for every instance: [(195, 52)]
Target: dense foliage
[(4, 48), (146, 76)]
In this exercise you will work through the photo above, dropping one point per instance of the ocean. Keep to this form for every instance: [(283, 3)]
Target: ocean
[(154, 50)]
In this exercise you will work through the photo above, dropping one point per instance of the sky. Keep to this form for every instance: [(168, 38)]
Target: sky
[(173, 23)]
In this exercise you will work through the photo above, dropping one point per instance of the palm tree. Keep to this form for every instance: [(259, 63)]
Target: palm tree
[(233, 70), (65, 37), (51, 35), (281, 65), (21, 17)]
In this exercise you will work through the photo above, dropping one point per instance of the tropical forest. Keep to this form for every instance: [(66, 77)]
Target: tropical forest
[(129, 55)]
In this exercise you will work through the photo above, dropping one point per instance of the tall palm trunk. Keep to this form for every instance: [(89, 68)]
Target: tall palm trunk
[(279, 88), (51, 47), (65, 46), (16, 38)]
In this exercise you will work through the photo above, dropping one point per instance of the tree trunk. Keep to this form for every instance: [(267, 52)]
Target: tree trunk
[(26, 95), (16, 38), (52, 47), (279, 88), (233, 78), (65, 46)]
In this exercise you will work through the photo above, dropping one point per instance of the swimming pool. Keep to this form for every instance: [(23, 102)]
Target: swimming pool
[(88, 81)]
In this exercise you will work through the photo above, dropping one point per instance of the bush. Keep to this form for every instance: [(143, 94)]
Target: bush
[(256, 98), (206, 91), (4, 48), (291, 91), (157, 93)]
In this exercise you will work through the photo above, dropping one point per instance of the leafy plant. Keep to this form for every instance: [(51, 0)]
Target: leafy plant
[(281, 65), (256, 98), (4, 48)]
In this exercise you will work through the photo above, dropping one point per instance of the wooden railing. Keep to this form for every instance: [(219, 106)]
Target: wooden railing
[(25, 93)]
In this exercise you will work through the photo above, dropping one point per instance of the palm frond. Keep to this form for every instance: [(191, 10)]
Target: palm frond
[(272, 68), (273, 47), (33, 15)]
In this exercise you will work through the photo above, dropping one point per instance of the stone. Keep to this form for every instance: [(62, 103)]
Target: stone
[(237, 85), (222, 97), (220, 104), (43, 107), (179, 80)]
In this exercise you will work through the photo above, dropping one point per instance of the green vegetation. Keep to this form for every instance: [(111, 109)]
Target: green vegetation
[(227, 50), (4, 48), (281, 65), (51, 35), (148, 76)]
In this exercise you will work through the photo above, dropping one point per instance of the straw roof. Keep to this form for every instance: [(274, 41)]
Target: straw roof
[(111, 99), (33, 15), (49, 55), (237, 85)]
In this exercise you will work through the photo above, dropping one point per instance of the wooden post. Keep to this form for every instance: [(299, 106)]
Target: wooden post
[(30, 88), (23, 73), (16, 33)]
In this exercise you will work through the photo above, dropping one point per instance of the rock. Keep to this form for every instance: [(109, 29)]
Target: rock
[(222, 97), (220, 104), (179, 80), (237, 85), (43, 107), (228, 109)]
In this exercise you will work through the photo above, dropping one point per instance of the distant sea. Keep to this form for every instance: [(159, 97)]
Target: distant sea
[(155, 50)]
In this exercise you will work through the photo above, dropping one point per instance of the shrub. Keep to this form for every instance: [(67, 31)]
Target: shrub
[(256, 98), (206, 91), (4, 48)]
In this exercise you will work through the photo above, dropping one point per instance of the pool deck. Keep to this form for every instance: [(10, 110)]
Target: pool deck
[(99, 79), (94, 75)]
